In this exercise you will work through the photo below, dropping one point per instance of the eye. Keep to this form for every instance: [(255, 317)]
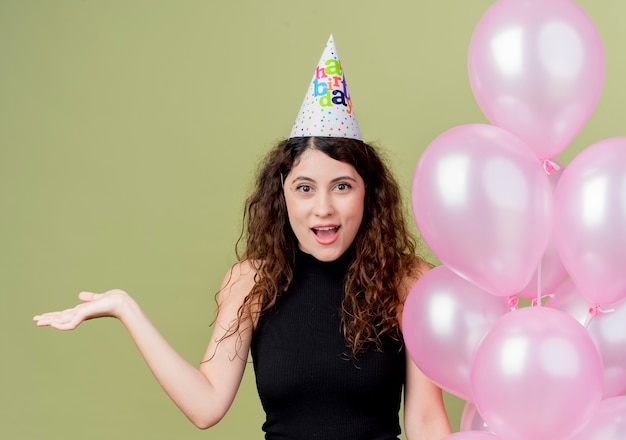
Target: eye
[(343, 186), (304, 188)]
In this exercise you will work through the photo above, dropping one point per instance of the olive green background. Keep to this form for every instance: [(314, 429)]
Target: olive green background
[(129, 133)]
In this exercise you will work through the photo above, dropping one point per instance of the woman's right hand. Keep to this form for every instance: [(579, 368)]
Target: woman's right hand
[(203, 394), (94, 305)]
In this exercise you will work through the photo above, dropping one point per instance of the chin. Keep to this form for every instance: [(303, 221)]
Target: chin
[(327, 255)]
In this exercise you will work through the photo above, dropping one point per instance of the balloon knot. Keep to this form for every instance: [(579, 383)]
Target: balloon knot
[(549, 166), (594, 310), (539, 301), (513, 302)]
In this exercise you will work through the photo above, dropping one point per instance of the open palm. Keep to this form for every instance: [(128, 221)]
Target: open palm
[(94, 305)]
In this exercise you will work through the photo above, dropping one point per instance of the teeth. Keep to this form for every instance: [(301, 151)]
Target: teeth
[(325, 229)]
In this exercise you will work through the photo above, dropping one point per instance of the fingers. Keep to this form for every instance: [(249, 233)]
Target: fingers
[(65, 320), (88, 296), (91, 296), (94, 305)]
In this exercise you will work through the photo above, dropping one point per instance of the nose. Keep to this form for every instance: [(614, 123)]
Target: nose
[(323, 205)]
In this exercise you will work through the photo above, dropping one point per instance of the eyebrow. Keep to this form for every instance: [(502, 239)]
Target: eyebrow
[(336, 179)]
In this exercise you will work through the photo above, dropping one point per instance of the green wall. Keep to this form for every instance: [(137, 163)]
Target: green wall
[(129, 132)]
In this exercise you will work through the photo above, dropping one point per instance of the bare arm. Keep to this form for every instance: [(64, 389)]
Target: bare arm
[(425, 416), (203, 394)]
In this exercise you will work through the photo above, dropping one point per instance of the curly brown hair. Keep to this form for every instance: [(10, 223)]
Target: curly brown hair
[(384, 249)]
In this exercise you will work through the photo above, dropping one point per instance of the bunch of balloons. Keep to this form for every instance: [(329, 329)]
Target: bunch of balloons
[(507, 220)]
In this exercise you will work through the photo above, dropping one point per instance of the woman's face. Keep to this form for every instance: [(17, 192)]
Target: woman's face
[(325, 200)]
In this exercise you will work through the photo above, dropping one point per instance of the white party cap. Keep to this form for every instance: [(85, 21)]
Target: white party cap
[(327, 106)]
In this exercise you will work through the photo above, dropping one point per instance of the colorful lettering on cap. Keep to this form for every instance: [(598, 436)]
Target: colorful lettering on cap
[(327, 106)]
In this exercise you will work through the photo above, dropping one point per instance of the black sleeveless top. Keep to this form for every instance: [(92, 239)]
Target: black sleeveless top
[(308, 385)]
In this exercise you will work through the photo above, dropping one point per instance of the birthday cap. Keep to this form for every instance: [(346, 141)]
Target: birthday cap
[(327, 107)]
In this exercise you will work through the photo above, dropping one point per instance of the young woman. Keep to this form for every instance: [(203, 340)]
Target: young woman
[(316, 298)]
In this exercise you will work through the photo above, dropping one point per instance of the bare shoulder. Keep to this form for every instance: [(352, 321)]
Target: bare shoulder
[(421, 267), (237, 283), (240, 271), (418, 268)]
